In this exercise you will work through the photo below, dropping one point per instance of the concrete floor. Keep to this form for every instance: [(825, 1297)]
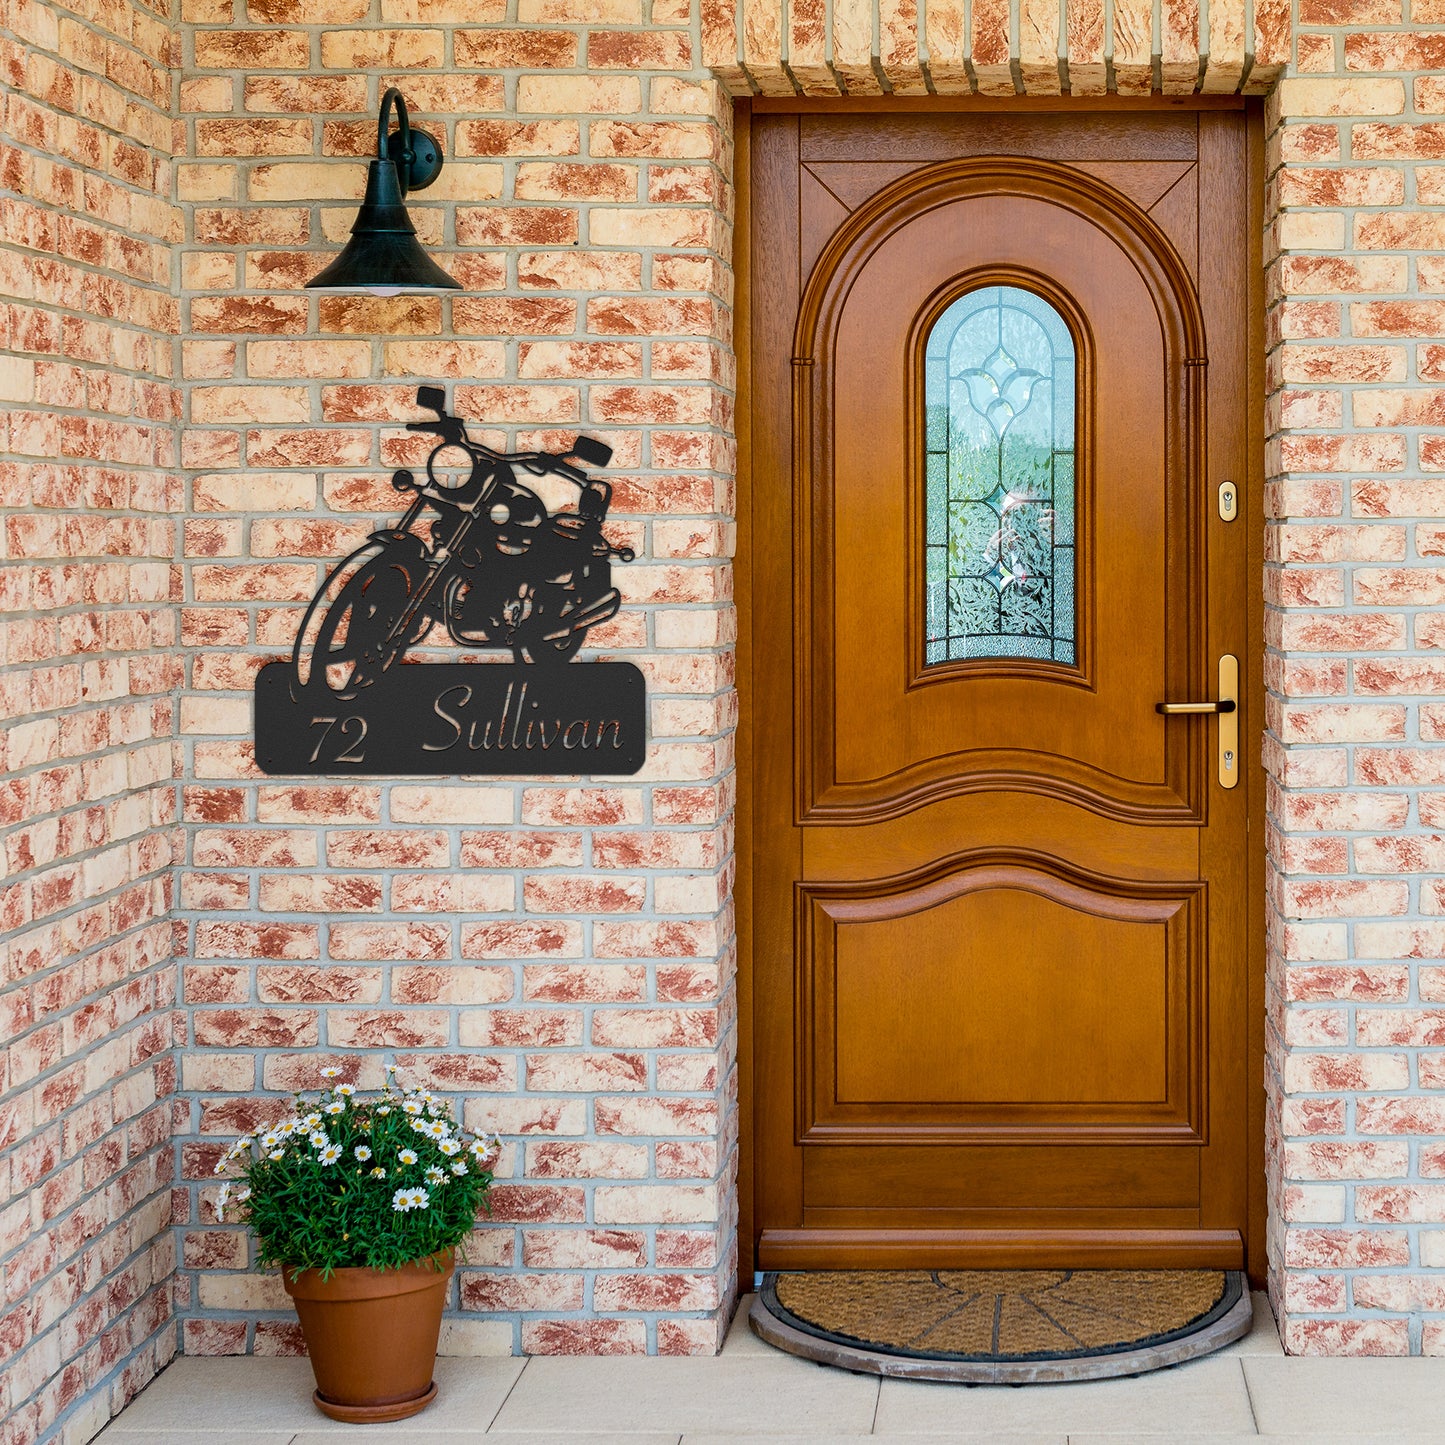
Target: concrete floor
[(1242, 1393)]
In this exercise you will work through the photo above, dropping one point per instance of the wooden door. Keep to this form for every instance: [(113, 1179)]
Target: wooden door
[(1000, 904)]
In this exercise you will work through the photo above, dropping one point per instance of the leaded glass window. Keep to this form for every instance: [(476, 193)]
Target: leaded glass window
[(1000, 394)]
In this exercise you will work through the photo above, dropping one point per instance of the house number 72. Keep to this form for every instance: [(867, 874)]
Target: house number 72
[(351, 751)]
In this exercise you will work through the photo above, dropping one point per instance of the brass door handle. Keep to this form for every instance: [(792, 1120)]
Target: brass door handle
[(1173, 709), (1227, 707)]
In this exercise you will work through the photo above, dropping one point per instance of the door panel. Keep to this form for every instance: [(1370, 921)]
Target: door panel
[(924, 1034), (904, 1037), (1086, 735), (1000, 972)]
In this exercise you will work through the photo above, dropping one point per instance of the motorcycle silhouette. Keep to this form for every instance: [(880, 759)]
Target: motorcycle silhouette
[(499, 570)]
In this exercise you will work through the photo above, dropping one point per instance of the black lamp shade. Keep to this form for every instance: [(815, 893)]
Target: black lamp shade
[(383, 254)]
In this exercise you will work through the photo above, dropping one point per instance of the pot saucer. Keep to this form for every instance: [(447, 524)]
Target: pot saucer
[(375, 1414)]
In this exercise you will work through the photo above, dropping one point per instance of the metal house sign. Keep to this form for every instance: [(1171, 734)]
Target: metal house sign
[(497, 570)]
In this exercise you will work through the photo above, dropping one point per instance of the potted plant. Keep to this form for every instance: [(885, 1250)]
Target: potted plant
[(362, 1202)]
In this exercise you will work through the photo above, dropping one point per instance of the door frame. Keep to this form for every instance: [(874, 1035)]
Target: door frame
[(1252, 516)]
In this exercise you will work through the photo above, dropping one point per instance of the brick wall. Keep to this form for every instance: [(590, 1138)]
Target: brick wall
[(1357, 772), (557, 956), (88, 493)]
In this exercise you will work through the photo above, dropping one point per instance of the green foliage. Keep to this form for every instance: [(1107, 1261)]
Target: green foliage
[(349, 1180)]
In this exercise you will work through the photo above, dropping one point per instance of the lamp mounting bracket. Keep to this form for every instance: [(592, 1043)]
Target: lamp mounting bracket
[(425, 164), (417, 157)]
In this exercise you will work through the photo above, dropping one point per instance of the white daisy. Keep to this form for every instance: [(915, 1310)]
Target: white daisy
[(331, 1073), (277, 1154), (311, 1120), (407, 1156), (336, 1106), (435, 1176), (345, 1090), (413, 1106), (378, 1172), (407, 1199), (319, 1139), (437, 1129), (459, 1167), (362, 1152), (331, 1154), (384, 1110), (450, 1146)]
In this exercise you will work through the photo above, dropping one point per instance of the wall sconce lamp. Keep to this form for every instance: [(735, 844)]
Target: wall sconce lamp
[(383, 255)]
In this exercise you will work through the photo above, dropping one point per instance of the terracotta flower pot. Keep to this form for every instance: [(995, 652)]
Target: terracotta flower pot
[(372, 1336)]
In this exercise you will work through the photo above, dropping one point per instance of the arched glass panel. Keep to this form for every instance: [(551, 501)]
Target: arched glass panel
[(999, 394)]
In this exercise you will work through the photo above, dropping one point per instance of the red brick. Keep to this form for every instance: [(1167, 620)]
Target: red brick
[(257, 940), (567, 893), (451, 983), (655, 1292), (521, 1292), (310, 984), (254, 1028), (521, 940), (584, 983), (655, 1028), (392, 848), (517, 137), (530, 850), (1345, 1248), (468, 1072), (639, 50), (1395, 51), (389, 940), (583, 1249), (568, 1160), (536, 1204), (521, 1028), (1414, 586), (584, 1337), (513, 226), (516, 49), (585, 1073)]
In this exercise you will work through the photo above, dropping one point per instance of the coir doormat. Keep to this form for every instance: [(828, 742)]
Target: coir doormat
[(1002, 1326)]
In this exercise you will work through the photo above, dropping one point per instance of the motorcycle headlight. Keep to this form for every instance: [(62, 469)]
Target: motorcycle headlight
[(450, 468)]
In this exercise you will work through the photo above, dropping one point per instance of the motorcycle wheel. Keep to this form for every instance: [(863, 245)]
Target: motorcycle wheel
[(342, 646)]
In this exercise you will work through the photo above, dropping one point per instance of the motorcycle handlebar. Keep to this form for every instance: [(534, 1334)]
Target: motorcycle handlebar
[(449, 428), (539, 462), (453, 432)]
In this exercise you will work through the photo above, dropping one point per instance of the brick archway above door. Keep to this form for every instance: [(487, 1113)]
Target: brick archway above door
[(873, 47)]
